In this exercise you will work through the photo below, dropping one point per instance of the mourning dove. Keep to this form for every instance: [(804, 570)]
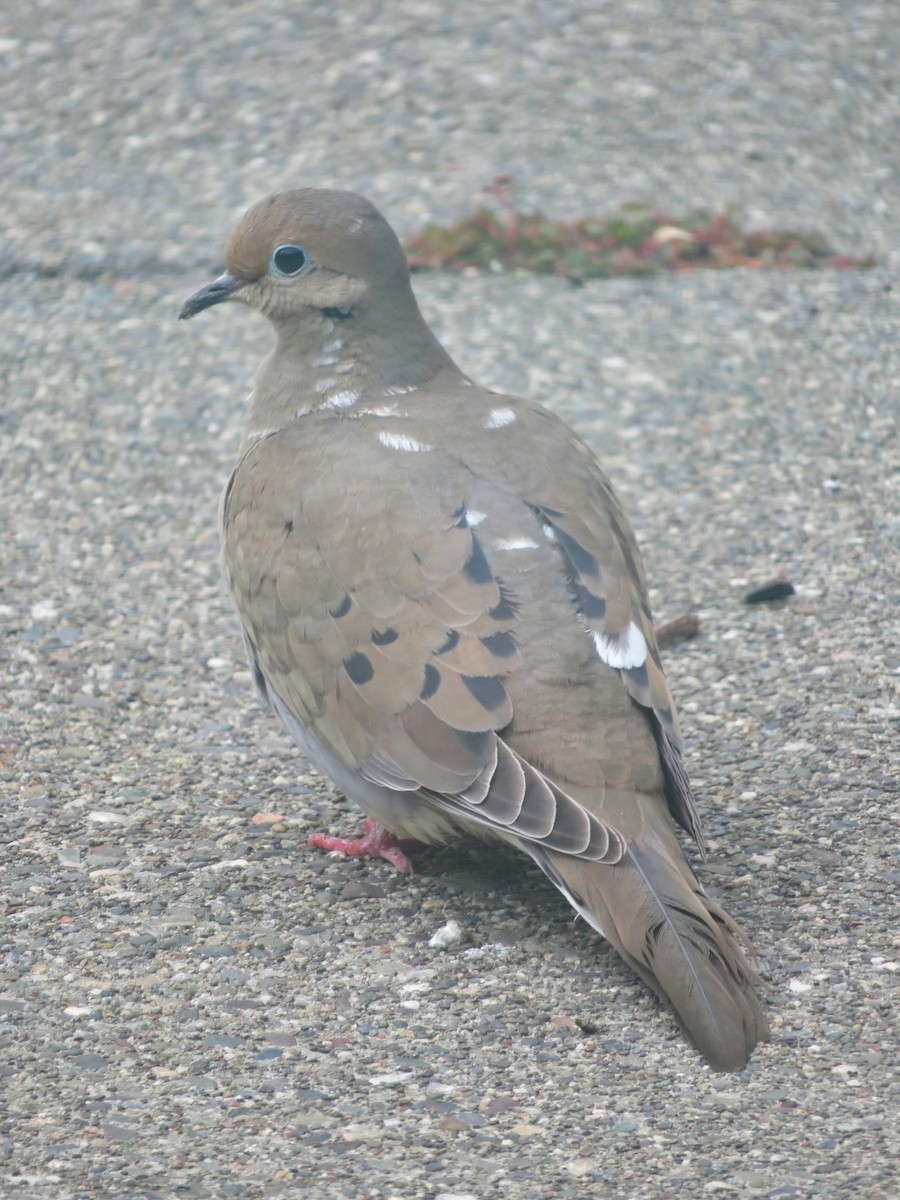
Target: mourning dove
[(444, 603)]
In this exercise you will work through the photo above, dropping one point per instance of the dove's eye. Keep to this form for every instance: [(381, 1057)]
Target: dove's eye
[(288, 260)]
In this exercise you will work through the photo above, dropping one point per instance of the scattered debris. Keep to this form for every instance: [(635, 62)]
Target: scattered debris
[(586, 1026), (637, 240), (450, 934), (766, 593), (679, 630)]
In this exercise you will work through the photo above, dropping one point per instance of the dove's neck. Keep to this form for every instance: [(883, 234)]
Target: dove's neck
[(343, 361)]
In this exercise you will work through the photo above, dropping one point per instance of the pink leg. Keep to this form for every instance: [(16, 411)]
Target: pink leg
[(376, 842)]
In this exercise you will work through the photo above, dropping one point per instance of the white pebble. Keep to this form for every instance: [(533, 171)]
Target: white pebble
[(450, 934), (391, 1079)]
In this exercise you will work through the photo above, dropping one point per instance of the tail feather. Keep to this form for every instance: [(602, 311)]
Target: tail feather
[(684, 945)]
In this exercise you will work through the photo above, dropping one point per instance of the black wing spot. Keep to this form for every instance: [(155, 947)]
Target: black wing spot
[(476, 742), (507, 608), (500, 644), (593, 608), (384, 637), (638, 674), (583, 562), (487, 690), (477, 567), (289, 527), (358, 667), (450, 644), (341, 609), (432, 682)]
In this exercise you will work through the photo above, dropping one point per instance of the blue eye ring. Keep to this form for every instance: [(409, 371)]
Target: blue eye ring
[(288, 260)]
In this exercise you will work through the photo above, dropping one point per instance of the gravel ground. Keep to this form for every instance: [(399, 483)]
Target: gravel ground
[(194, 1005)]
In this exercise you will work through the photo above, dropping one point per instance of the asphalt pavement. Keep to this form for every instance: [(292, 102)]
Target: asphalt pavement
[(192, 1003)]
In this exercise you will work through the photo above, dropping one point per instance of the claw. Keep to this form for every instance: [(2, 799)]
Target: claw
[(376, 842)]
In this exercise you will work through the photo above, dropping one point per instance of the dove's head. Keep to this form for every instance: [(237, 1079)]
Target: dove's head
[(310, 249)]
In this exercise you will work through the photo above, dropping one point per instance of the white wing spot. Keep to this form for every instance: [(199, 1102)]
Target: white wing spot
[(341, 400), (549, 531), (622, 651), (399, 390), (322, 385), (474, 517), (337, 344), (500, 417), (519, 543), (400, 441), (327, 360)]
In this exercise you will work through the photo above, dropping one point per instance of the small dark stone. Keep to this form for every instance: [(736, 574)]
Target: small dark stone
[(775, 589)]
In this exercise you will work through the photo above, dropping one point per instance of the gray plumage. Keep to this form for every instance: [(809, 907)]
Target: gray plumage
[(445, 605)]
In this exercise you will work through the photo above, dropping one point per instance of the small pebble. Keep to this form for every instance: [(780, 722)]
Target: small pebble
[(450, 934), (776, 589)]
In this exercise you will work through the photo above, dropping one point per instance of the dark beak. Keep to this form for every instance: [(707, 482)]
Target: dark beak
[(214, 293)]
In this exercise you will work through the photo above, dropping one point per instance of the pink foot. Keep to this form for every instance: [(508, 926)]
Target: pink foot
[(376, 842)]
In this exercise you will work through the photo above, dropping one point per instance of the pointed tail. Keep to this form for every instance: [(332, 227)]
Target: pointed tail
[(655, 913)]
